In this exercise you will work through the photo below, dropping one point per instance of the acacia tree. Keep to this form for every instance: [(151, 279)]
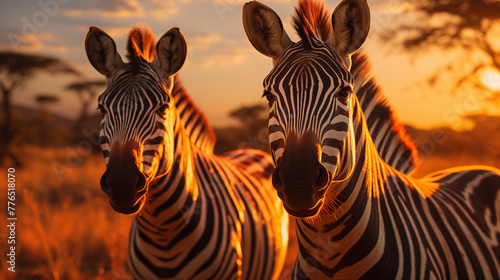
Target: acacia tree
[(15, 70), (44, 100), (253, 120), (86, 92), (42, 131), (252, 117), (471, 25)]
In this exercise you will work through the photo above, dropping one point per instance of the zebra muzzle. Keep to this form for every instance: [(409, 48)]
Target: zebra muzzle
[(300, 178), (123, 182), (126, 192)]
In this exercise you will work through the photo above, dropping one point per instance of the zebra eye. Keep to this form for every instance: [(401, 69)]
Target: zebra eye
[(163, 109), (269, 96), (101, 108), (344, 94)]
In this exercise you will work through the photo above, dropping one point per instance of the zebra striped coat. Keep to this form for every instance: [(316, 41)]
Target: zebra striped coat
[(361, 218), (199, 216)]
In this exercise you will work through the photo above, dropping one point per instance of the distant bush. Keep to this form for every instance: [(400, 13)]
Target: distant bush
[(33, 127), (250, 134)]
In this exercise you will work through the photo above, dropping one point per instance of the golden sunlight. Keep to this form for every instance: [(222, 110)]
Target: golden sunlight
[(490, 78)]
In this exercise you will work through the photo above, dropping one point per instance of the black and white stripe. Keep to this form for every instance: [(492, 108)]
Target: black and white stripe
[(206, 216), (293, 111), (370, 220), (194, 121), (390, 226), (394, 146)]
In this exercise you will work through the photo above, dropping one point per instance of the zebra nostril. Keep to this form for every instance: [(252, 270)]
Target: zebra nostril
[(141, 181), (323, 178), (276, 179), (103, 182)]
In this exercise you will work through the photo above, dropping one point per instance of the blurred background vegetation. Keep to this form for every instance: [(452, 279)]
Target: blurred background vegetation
[(66, 229)]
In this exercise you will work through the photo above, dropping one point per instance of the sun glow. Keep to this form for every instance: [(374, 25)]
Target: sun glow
[(490, 78)]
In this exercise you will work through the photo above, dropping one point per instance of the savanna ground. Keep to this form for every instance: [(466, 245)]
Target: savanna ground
[(67, 230), (65, 227)]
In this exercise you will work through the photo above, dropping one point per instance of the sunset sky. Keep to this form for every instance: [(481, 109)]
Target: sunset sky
[(222, 71)]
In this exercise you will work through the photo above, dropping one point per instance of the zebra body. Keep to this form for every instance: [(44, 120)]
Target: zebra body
[(225, 228), (199, 216), (360, 215), (444, 226)]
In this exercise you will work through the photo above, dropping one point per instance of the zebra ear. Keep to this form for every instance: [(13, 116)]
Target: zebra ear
[(101, 51), (351, 23), (264, 29), (171, 51)]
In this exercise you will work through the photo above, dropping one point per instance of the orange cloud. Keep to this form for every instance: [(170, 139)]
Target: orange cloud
[(164, 9), (33, 43), (225, 59), (112, 8), (203, 42)]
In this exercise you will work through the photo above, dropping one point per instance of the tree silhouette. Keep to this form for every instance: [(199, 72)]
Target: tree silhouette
[(471, 25), (44, 100), (43, 130), (86, 92), (15, 70), (250, 133), (252, 117)]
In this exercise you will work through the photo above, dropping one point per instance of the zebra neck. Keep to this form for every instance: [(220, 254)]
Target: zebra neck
[(358, 180), (382, 122), (171, 198), (342, 219)]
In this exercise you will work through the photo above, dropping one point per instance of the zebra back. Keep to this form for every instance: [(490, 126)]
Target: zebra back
[(197, 127), (393, 144)]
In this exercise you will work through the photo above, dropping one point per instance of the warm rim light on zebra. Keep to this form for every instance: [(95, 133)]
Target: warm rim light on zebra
[(362, 215), (132, 108), (310, 98), (200, 216)]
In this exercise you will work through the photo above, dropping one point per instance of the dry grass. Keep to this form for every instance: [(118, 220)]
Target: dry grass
[(66, 228)]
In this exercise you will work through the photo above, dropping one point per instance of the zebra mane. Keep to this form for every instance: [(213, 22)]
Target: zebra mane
[(399, 147), (197, 127), (141, 45), (311, 19)]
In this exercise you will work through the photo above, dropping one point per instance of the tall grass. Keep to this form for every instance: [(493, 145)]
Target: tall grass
[(65, 228)]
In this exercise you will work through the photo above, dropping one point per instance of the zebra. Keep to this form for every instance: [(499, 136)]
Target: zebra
[(358, 216), (392, 142), (197, 215)]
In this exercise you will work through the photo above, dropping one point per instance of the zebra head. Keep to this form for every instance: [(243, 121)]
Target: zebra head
[(310, 94), (136, 134)]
